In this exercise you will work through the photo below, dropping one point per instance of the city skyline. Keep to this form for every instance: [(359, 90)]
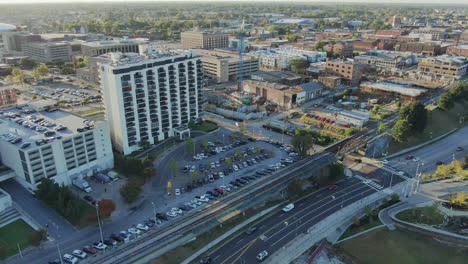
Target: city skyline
[(220, 1)]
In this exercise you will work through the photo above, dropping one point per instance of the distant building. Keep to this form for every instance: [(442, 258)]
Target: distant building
[(342, 49), (150, 98), (223, 65), (295, 21), (428, 34), (461, 50), (403, 91), (350, 72), (203, 40), (14, 40), (428, 48), (396, 21), (48, 51), (96, 48), (283, 95), (7, 95), (444, 65), (329, 81), (387, 59), (282, 77), (279, 58), (364, 45)]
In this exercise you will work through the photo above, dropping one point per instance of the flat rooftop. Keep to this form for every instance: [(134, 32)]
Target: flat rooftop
[(31, 126), (109, 43), (391, 87)]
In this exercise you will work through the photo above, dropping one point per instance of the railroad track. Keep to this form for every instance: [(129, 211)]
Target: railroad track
[(130, 252)]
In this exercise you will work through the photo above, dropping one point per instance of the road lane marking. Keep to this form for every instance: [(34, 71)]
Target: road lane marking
[(239, 241), (243, 249)]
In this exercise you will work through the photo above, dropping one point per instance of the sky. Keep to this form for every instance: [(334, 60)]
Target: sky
[(323, 1)]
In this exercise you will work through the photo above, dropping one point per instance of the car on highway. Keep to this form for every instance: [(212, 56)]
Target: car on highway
[(79, 254), (288, 207), (409, 157), (385, 161), (67, 258), (99, 246), (332, 187), (460, 149), (89, 250), (205, 260), (251, 230), (262, 255)]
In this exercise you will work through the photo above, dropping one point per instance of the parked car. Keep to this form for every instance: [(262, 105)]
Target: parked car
[(332, 187), (70, 259), (142, 227), (134, 231), (177, 191), (110, 242), (117, 238), (171, 214), (89, 250), (79, 254), (162, 216), (99, 246)]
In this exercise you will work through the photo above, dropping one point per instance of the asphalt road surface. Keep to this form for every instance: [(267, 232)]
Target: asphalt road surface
[(444, 150)]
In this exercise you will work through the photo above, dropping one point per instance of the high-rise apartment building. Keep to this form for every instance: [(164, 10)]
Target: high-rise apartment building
[(203, 40), (150, 98)]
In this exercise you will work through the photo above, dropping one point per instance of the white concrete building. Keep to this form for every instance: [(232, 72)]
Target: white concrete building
[(354, 118), (279, 58), (53, 144), (48, 51), (149, 99)]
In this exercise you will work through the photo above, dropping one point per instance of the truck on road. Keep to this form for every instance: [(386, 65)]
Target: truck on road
[(82, 185)]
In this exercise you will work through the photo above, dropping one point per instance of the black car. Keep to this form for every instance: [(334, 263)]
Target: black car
[(215, 194), (205, 260), (57, 261), (149, 223), (250, 178), (245, 179), (110, 242), (251, 230), (235, 183), (162, 216), (241, 181), (116, 238)]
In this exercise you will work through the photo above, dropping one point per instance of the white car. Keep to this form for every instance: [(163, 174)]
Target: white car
[(70, 259), (385, 161), (235, 167), (401, 173), (171, 214), (134, 231), (177, 191), (416, 159), (225, 188), (262, 255), (288, 207), (176, 210), (79, 254), (197, 202), (142, 227), (221, 174), (99, 246), (204, 199), (189, 204)]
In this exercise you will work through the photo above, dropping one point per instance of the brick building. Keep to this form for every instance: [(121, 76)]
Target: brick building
[(350, 72), (7, 95), (203, 40)]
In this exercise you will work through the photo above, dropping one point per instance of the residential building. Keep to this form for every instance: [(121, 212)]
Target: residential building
[(341, 49), (150, 98), (353, 117), (54, 145), (203, 40), (365, 45), (350, 72), (279, 58), (312, 90), (444, 65), (223, 65), (7, 95), (48, 51), (461, 50), (387, 59), (96, 48)]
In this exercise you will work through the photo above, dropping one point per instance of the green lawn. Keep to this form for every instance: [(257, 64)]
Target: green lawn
[(428, 215), (206, 126), (352, 231), (17, 232), (439, 122), (390, 247)]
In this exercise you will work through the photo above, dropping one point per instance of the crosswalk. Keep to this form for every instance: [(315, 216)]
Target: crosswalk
[(395, 172), (369, 183)]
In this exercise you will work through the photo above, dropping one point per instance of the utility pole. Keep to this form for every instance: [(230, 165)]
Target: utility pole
[(99, 222), (154, 210), (391, 179), (19, 249), (60, 254)]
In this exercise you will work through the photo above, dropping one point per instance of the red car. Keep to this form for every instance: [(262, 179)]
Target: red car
[(332, 187), (409, 157), (219, 190), (90, 250)]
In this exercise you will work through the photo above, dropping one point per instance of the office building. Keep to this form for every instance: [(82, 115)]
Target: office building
[(150, 98), (48, 51), (223, 65), (96, 48), (428, 48), (52, 144), (279, 58), (428, 34), (14, 40), (203, 40), (350, 72), (444, 65)]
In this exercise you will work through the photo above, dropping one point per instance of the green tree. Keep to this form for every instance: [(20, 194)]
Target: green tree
[(37, 237), (27, 63), (204, 144), (457, 167), (130, 191), (299, 65), (40, 72), (228, 161), (442, 171), (17, 76), (302, 141), (319, 45), (295, 188), (382, 127), (401, 130), (445, 102)]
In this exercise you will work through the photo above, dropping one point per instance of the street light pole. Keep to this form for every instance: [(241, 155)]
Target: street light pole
[(391, 179), (60, 254), (154, 210), (99, 222)]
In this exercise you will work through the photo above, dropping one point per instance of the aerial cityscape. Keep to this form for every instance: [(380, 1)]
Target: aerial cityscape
[(233, 132)]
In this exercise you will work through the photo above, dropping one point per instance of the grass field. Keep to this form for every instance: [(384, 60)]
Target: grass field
[(439, 122), (17, 232), (389, 247), (206, 126), (428, 215)]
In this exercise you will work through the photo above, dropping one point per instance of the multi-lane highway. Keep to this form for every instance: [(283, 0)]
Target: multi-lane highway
[(278, 229)]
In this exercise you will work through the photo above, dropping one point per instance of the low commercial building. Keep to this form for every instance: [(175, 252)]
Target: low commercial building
[(48, 51), (349, 71), (444, 65), (223, 65), (283, 95), (96, 48), (7, 95), (279, 58), (429, 48), (403, 91), (54, 145), (461, 50), (428, 34), (353, 117), (204, 40), (330, 81), (387, 59), (282, 77)]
